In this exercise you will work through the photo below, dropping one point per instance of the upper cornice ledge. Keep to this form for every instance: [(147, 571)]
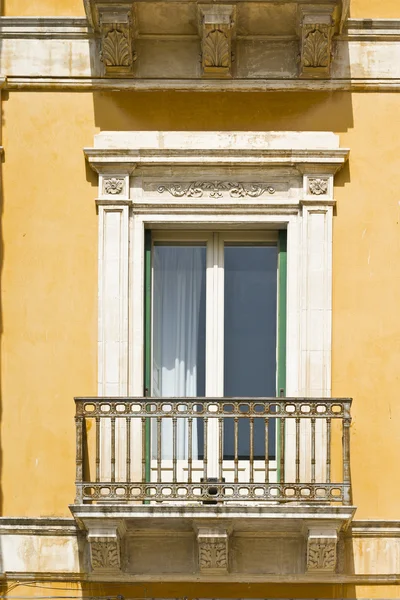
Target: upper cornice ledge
[(131, 149)]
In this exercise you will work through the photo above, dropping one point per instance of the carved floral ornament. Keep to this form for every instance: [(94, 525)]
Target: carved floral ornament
[(321, 555), (317, 186), (113, 186), (213, 555), (215, 189), (105, 554), (316, 46), (216, 49), (116, 51)]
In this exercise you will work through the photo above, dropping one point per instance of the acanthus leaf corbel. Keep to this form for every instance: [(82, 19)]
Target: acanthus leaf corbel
[(316, 29), (213, 549), (322, 550), (105, 545), (217, 32), (115, 24)]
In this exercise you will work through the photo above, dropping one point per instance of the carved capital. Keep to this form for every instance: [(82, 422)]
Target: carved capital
[(322, 551), (216, 28), (105, 547), (316, 26), (212, 550)]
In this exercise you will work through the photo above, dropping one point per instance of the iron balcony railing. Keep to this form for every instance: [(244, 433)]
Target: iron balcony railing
[(210, 450)]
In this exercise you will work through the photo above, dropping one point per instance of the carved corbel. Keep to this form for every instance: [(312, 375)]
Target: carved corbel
[(217, 29), (316, 29), (105, 547), (322, 550), (116, 34), (213, 550)]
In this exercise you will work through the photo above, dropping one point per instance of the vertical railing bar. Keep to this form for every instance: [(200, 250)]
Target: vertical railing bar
[(346, 460), (112, 449), (282, 450), (190, 430), (221, 447), (97, 449), (297, 449), (312, 449), (205, 450), (159, 434), (328, 450), (128, 449), (143, 449), (251, 449), (174, 449), (236, 449), (79, 458), (266, 450)]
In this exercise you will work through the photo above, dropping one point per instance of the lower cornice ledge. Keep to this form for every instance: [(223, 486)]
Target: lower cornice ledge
[(15, 83)]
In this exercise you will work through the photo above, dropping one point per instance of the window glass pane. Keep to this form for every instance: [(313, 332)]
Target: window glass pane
[(179, 294), (250, 297)]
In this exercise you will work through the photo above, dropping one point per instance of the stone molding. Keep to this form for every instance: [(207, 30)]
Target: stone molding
[(358, 66)]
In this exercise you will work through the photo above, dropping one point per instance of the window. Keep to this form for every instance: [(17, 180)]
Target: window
[(214, 330)]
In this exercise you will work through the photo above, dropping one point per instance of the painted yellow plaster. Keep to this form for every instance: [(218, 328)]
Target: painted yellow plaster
[(43, 8), (374, 9), (49, 272)]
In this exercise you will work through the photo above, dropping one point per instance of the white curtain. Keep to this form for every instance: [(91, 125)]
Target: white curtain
[(178, 277)]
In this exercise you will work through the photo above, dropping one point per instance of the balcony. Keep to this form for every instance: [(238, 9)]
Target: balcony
[(215, 469), (144, 450)]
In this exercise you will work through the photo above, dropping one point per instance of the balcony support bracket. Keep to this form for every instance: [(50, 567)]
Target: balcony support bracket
[(104, 537), (217, 32), (322, 550), (213, 549), (317, 27)]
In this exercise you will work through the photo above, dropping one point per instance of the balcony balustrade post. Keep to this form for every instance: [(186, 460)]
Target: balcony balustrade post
[(346, 461), (79, 458)]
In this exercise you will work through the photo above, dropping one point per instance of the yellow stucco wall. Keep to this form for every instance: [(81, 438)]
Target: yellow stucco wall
[(49, 272), (360, 9), (43, 8)]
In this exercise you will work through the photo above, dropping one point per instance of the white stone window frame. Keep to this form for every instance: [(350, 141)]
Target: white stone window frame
[(133, 166)]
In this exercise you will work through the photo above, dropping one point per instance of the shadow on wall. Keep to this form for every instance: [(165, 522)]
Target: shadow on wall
[(216, 591), (227, 111)]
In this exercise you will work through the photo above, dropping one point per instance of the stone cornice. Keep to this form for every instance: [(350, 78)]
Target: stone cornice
[(120, 56), (126, 159)]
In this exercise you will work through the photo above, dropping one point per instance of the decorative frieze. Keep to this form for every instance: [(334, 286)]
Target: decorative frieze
[(316, 31), (212, 550), (216, 27), (321, 551), (215, 189)]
